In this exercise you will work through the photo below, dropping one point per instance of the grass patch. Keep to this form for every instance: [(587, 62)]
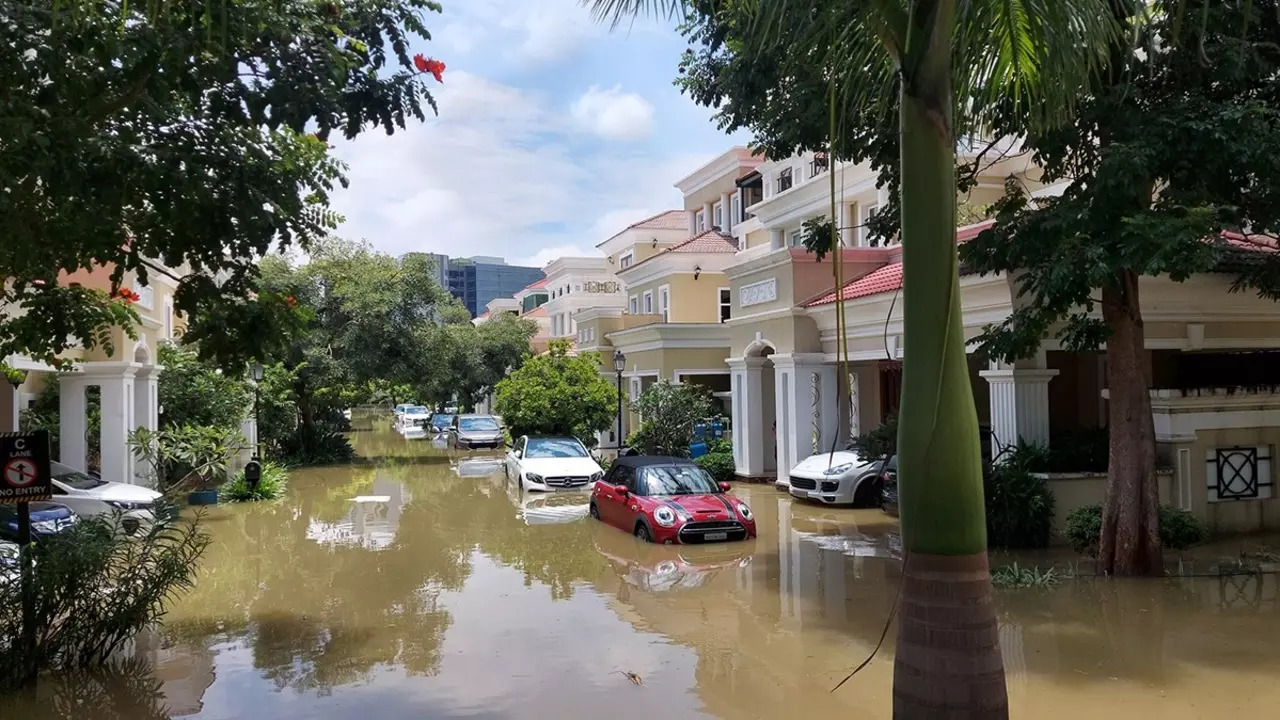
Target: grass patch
[(1018, 576)]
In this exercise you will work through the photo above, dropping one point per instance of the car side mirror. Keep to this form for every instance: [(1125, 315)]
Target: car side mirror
[(624, 491), (725, 487)]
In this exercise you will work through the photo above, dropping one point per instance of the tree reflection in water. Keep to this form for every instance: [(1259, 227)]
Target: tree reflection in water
[(124, 690)]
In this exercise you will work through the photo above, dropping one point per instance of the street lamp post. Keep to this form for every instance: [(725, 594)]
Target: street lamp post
[(258, 373), (16, 378), (619, 364)]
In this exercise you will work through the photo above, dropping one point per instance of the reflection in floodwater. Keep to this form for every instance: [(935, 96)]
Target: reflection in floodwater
[(423, 584)]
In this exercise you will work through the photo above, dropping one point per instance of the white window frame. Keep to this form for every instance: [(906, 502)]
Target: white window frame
[(664, 302), (795, 237), (627, 260), (865, 213), (647, 302), (718, 213), (723, 303), (702, 221), (635, 388), (735, 208), (168, 318), (634, 305)]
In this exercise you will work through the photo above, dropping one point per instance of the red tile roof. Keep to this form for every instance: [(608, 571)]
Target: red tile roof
[(711, 241), (536, 284), (885, 279), (539, 311), (665, 220)]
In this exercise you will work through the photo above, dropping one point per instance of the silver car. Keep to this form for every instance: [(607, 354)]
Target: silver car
[(473, 432), (839, 478)]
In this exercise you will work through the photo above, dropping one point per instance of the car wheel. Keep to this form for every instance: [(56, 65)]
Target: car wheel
[(642, 533), (867, 494), (594, 511)]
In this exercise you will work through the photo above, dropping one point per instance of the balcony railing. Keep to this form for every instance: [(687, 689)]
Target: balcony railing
[(784, 180), (818, 165)]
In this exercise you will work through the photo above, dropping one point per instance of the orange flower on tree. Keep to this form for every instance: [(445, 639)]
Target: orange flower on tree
[(429, 65), (291, 301), (127, 295)]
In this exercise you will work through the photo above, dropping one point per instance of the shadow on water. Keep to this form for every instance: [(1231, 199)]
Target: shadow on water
[(424, 583)]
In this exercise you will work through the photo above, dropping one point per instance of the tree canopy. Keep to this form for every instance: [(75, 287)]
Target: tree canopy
[(557, 394), (669, 412), (182, 132)]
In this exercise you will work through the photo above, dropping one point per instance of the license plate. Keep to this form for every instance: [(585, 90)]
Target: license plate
[(709, 537)]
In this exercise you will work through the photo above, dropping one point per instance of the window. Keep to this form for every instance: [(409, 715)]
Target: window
[(735, 208), (784, 180), (818, 165), (719, 215), (702, 220), (726, 306), (632, 308), (664, 302), (627, 260), (795, 237), (635, 389), (864, 234), (648, 302), (168, 318)]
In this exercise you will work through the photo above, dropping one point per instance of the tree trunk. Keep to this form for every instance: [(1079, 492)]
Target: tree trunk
[(1130, 542), (948, 662)]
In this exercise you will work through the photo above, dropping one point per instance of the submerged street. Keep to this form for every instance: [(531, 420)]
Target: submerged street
[(420, 583)]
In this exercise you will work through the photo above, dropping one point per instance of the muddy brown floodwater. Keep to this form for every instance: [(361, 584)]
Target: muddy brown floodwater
[(423, 585)]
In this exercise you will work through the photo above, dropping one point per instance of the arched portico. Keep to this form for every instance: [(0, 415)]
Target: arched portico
[(754, 408)]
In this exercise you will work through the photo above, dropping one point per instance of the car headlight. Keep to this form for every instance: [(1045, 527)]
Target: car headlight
[(596, 477), (45, 526), (664, 516), (838, 470), (533, 477), (744, 511)]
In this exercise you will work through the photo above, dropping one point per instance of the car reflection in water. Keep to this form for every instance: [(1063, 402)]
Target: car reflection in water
[(553, 508), (371, 522), (478, 467), (668, 568)]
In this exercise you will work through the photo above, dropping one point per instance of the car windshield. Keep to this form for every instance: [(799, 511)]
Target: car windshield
[(76, 479), (441, 419), (678, 480), (416, 410), (477, 423), (555, 448)]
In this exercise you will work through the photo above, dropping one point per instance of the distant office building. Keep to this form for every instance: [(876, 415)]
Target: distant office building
[(441, 263), (477, 280)]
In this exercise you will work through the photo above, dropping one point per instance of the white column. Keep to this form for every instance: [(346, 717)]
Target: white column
[(726, 221), (777, 240), (117, 420), (709, 213), (72, 421), (1019, 405), (807, 407), (146, 412), (847, 220), (692, 216), (748, 416)]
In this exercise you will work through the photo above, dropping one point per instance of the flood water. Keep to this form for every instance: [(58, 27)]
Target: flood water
[(423, 585)]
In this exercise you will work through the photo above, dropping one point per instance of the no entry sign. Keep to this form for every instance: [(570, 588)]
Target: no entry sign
[(24, 467)]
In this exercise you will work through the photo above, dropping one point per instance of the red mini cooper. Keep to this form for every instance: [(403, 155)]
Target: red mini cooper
[(671, 501)]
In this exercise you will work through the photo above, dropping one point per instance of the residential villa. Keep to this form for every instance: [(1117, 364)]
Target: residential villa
[(126, 380)]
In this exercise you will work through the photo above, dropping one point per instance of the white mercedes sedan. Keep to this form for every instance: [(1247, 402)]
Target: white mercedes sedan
[(552, 463)]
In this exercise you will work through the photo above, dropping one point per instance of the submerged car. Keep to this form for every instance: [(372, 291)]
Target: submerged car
[(91, 496), (889, 488), (670, 501), (414, 419), (47, 519), (472, 432), (838, 478), (551, 463), (440, 422)]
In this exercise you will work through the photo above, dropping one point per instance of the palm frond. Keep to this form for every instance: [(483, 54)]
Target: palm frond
[(619, 12)]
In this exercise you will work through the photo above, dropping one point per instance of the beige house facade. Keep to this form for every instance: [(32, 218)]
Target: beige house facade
[(126, 379)]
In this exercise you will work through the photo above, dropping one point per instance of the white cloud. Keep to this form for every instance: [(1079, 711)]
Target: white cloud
[(546, 255), (498, 173), (614, 114), (525, 32)]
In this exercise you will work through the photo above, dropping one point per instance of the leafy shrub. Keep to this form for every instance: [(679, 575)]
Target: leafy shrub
[(275, 478), (880, 442), (1015, 576), (315, 446), (1179, 529), (95, 589), (196, 393), (719, 465), (670, 411), (1019, 504), (721, 445), (196, 455)]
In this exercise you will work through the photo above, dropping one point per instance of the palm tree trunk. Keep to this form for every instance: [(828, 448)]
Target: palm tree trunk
[(1130, 542), (948, 661)]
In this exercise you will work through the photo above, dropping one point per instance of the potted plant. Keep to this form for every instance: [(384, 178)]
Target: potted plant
[(188, 459)]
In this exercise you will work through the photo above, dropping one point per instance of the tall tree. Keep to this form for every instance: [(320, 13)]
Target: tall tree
[(1172, 148), (557, 394), (930, 57), (183, 131)]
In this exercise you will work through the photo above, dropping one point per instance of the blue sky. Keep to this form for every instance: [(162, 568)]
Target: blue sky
[(553, 134)]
